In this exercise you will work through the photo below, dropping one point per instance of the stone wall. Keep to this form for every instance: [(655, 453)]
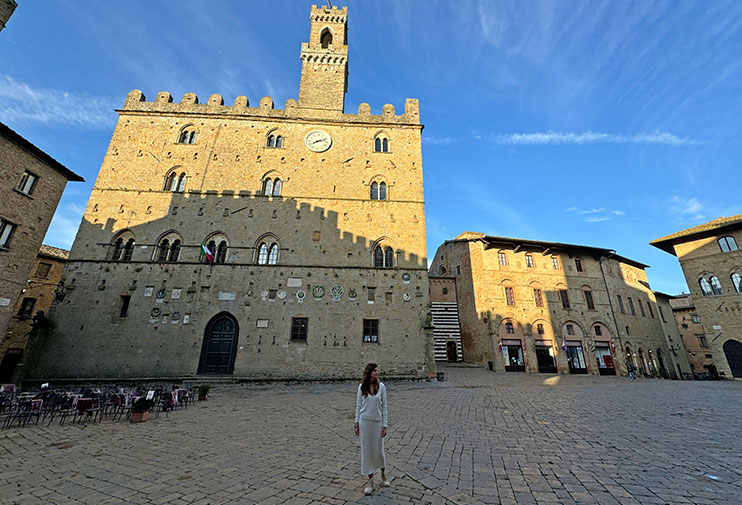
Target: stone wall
[(31, 213), (486, 271), (324, 221), (720, 314)]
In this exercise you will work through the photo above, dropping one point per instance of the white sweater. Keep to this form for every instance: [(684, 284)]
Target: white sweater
[(372, 407)]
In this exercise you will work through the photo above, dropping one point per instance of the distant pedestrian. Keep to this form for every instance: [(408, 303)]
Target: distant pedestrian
[(371, 425), (632, 373)]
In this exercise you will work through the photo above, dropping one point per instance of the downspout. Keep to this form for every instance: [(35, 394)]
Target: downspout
[(610, 301)]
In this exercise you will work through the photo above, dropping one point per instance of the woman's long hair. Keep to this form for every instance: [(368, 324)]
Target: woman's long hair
[(366, 381)]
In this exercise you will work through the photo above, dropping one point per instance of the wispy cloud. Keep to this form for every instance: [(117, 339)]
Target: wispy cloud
[(595, 214), (687, 207), (567, 138), (20, 103), (64, 225), (590, 137), (439, 141)]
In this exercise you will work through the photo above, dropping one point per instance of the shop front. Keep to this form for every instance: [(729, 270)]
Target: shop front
[(604, 358), (512, 352), (576, 357), (545, 356)]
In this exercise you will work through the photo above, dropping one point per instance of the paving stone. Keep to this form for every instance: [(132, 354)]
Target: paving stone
[(478, 437)]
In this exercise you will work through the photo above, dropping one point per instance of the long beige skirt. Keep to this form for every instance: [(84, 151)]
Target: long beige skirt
[(372, 446)]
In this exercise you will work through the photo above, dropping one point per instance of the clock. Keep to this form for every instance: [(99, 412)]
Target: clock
[(318, 141)]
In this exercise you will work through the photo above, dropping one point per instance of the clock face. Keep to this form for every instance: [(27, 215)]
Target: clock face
[(318, 141)]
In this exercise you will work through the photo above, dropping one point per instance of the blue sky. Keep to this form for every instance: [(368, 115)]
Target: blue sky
[(601, 123)]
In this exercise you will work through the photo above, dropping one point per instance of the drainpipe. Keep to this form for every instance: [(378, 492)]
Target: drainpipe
[(610, 301)]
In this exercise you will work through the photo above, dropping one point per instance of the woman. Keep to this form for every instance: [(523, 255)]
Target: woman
[(371, 424)]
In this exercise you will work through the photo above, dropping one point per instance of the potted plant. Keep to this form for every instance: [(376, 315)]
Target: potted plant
[(203, 391), (140, 410)]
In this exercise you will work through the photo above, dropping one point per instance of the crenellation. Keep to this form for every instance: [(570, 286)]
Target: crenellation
[(164, 97), (216, 99), (136, 101), (189, 99)]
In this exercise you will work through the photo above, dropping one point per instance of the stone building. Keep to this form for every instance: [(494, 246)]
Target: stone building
[(712, 264), (445, 315), (313, 216), (677, 362), (38, 295), (537, 306), (688, 322), (7, 7), (31, 184)]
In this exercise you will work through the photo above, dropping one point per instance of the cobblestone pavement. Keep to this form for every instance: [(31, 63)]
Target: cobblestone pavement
[(478, 437)]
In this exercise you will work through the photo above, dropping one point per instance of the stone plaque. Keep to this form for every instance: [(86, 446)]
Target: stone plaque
[(149, 290), (293, 282), (262, 323), (227, 296), (175, 295)]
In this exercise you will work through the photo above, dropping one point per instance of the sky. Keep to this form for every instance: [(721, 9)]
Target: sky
[(602, 123)]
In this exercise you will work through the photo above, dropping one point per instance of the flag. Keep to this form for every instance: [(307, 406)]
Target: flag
[(564, 343), (205, 251)]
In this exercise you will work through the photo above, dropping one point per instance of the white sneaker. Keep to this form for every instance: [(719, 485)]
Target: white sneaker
[(385, 483), (369, 489)]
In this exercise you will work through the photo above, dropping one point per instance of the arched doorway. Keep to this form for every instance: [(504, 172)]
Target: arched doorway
[(642, 365), (733, 352), (220, 345)]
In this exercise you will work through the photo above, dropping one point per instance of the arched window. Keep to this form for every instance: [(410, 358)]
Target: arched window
[(211, 246), (187, 136), (274, 141), (381, 143), (128, 249), (389, 258), (273, 254), (727, 244), (326, 39), (221, 252), (705, 286), (277, 187), (181, 182), (171, 182), (716, 285), (263, 254), (374, 191), (737, 282), (123, 247), (378, 257), (163, 250), (382, 191), (540, 328), (118, 248), (268, 187), (509, 328), (174, 251)]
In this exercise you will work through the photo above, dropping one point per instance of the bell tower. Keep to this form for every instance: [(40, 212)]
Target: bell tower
[(324, 60)]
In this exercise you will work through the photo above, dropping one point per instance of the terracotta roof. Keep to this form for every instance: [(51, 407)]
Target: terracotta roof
[(28, 146), (666, 243), (469, 236), (54, 252)]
